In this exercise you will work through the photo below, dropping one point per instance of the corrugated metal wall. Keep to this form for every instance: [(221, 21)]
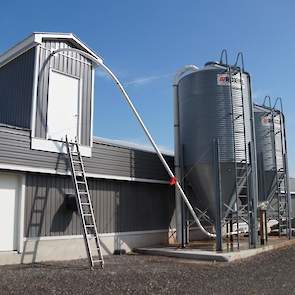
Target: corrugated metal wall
[(106, 159), (119, 206), (16, 85), (70, 63)]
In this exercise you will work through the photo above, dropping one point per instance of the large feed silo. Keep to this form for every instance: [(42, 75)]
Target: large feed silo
[(215, 102)]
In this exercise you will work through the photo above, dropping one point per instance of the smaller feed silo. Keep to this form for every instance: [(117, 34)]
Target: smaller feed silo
[(272, 161)]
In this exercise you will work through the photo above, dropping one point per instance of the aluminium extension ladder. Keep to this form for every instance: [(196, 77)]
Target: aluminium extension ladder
[(84, 204)]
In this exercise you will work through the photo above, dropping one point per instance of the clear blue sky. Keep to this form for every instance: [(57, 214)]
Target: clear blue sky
[(145, 42)]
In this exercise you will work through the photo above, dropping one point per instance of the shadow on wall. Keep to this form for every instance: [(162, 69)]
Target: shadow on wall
[(64, 213), (147, 165), (35, 223)]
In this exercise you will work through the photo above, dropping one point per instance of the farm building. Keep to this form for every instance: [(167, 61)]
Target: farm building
[(43, 98)]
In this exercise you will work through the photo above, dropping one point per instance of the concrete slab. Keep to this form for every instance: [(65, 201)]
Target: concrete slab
[(206, 255)]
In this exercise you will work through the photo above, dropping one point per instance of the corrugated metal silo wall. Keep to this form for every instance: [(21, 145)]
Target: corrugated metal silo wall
[(119, 206), (16, 85), (205, 114), (265, 151), (70, 63), (279, 139)]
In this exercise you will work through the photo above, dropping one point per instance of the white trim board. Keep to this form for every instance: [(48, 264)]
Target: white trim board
[(35, 90), (54, 146), (90, 175), (18, 49), (114, 234), (37, 38), (21, 212)]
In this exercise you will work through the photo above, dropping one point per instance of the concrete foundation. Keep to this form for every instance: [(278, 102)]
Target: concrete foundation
[(211, 255), (73, 247)]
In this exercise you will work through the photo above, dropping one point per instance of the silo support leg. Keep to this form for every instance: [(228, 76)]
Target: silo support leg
[(218, 195), (178, 219)]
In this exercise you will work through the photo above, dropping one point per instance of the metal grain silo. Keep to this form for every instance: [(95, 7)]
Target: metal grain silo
[(270, 148), (273, 176), (214, 102)]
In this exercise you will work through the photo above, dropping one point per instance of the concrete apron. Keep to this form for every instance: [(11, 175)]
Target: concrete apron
[(205, 255)]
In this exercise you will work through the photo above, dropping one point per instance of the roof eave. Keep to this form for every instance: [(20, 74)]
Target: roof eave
[(18, 49), (36, 39)]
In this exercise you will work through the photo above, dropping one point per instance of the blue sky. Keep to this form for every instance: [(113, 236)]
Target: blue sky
[(145, 42)]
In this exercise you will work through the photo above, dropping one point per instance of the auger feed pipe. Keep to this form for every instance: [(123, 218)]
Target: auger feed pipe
[(129, 102)]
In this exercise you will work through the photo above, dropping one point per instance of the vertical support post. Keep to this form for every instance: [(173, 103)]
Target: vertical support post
[(287, 191), (263, 226), (253, 198), (218, 194), (231, 229), (254, 182), (185, 230), (178, 172), (265, 221)]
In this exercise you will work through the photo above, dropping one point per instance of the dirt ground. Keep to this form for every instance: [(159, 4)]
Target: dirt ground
[(268, 273)]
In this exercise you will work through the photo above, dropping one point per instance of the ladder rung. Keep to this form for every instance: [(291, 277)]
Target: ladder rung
[(85, 204), (74, 161), (89, 225), (81, 182), (83, 193), (86, 214), (79, 175), (99, 260)]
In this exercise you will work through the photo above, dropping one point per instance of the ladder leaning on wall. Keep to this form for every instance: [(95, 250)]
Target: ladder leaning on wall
[(84, 204)]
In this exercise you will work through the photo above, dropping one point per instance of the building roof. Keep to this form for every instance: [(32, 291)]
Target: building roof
[(36, 38), (131, 145), (292, 185)]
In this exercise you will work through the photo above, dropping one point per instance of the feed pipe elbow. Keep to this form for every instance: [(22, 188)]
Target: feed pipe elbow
[(129, 102)]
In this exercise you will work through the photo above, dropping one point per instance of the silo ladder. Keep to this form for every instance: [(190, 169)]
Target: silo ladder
[(84, 204), (242, 168)]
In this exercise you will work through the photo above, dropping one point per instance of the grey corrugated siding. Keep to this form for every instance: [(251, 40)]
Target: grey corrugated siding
[(16, 85), (106, 159), (119, 206), (70, 63), (292, 185)]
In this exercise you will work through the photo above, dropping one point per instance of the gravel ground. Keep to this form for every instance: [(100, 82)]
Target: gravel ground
[(267, 273)]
